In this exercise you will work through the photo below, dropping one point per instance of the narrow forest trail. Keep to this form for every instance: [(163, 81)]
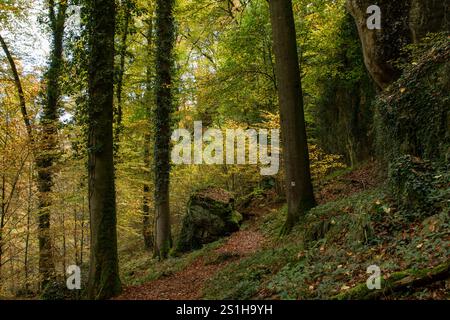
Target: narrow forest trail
[(188, 283)]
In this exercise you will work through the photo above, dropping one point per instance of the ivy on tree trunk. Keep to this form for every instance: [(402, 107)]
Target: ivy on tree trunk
[(104, 281), (164, 43)]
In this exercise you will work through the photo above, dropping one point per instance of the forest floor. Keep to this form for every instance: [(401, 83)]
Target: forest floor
[(188, 283), (354, 226)]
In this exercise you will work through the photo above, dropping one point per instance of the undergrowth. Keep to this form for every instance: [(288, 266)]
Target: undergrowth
[(331, 249)]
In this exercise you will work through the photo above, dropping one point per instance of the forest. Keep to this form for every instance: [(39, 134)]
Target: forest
[(224, 150)]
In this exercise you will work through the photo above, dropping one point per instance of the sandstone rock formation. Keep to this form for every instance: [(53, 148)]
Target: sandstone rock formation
[(403, 22), (210, 216)]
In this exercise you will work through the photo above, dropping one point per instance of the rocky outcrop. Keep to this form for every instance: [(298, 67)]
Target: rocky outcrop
[(210, 216), (403, 22), (412, 116)]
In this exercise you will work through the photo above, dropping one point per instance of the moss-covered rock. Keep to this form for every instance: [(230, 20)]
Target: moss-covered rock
[(210, 216), (412, 115)]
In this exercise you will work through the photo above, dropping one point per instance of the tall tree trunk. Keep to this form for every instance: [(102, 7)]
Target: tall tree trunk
[(300, 196), (104, 279), (121, 73), (147, 228), (46, 155), (164, 60)]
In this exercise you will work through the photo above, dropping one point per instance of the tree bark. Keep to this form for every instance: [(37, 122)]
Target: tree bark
[(47, 153), (147, 228), (164, 60), (28, 228), (104, 281), (119, 90), (300, 196)]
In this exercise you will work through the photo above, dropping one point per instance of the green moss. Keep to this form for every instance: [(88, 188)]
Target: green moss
[(412, 114), (236, 217), (208, 218), (395, 282)]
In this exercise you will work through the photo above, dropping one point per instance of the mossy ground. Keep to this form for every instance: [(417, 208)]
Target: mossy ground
[(329, 251), (326, 254)]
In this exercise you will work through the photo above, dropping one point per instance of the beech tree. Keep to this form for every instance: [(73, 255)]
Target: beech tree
[(47, 154), (104, 281), (126, 7), (299, 189), (164, 60), (148, 101)]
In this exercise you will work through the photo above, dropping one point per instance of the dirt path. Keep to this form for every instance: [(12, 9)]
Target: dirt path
[(188, 283)]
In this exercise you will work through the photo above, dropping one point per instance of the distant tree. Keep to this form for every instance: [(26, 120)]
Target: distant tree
[(299, 189), (104, 279), (44, 146), (148, 101), (164, 60), (126, 7)]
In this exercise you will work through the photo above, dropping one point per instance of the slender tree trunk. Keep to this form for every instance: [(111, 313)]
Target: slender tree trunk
[(11, 260), (164, 60), (119, 90), (64, 246), (82, 234), (300, 196), (2, 222), (43, 161), (147, 228), (75, 235), (104, 281), (23, 109), (18, 84), (28, 229)]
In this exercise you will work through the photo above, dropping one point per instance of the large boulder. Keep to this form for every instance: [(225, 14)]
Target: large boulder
[(403, 22), (210, 216)]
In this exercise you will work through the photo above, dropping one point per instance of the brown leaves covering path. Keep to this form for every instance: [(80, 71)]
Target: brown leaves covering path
[(360, 179), (188, 283)]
